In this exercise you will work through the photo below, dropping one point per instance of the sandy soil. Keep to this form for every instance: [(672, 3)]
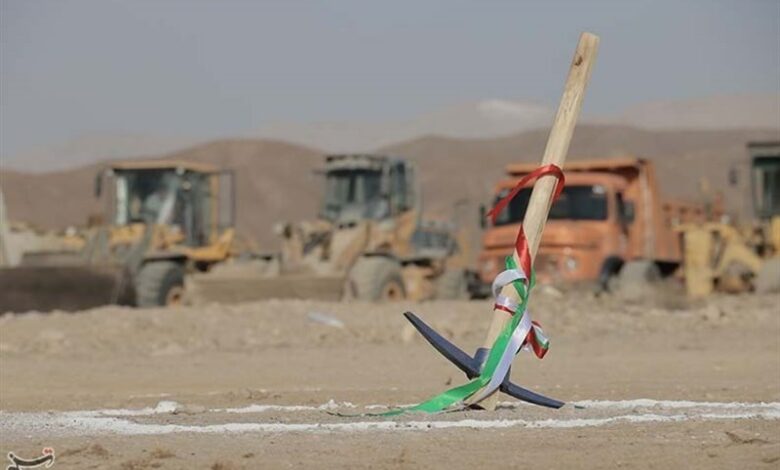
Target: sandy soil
[(254, 386)]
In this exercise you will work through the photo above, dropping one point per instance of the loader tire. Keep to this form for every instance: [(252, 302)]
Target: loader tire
[(159, 283), (768, 277), (377, 278), (452, 285)]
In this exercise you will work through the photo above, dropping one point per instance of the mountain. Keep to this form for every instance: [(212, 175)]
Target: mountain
[(716, 112), (92, 148), (482, 119), (474, 120), (275, 180), (455, 169)]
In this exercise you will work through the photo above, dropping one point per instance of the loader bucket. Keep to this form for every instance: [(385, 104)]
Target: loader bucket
[(63, 287), (207, 288)]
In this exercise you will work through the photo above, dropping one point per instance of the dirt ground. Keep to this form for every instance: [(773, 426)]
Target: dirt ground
[(654, 384)]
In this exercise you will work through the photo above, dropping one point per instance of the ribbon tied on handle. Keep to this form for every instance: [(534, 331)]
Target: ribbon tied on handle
[(521, 243)]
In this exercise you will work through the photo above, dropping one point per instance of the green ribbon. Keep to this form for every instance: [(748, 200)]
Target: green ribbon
[(459, 394)]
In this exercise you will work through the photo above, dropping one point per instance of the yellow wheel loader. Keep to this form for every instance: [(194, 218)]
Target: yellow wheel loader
[(166, 219), (731, 258), (368, 242)]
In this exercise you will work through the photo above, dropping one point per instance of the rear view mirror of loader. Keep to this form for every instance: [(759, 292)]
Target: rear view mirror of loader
[(226, 197), (733, 176), (98, 184)]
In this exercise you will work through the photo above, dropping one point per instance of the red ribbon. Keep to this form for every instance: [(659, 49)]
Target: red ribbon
[(533, 340), (521, 243), (504, 308)]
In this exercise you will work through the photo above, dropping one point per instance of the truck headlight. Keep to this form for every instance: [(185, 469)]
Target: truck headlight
[(489, 265)]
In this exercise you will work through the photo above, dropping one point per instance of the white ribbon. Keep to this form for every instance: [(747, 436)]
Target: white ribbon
[(518, 336), (507, 277)]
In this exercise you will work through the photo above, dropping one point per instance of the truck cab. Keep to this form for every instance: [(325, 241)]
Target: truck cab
[(609, 213)]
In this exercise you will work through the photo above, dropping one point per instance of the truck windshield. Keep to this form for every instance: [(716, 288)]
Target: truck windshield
[(575, 203), (355, 193)]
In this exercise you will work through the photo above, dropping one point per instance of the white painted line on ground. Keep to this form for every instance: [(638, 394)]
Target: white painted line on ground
[(329, 406), (671, 404), (112, 425), (170, 407), (94, 422)]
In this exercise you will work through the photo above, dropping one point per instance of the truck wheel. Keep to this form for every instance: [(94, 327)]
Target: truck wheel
[(377, 278), (452, 285), (768, 277), (159, 283), (636, 277), (608, 274), (642, 271)]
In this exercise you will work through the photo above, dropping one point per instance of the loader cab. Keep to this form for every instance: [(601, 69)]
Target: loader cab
[(359, 187), (181, 197), (765, 181)]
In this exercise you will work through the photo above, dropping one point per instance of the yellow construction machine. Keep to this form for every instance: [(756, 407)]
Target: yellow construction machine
[(165, 220), (738, 258), (369, 242)]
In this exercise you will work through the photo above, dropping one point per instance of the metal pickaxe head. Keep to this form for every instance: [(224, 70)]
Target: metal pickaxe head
[(472, 366)]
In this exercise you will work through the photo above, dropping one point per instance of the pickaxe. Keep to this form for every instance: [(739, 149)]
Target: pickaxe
[(533, 225)]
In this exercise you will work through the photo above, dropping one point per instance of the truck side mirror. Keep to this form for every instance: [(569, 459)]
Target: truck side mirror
[(482, 216), (625, 210), (628, 215)]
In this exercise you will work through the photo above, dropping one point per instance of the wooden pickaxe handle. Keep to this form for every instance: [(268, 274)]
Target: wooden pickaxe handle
[(555, 153)]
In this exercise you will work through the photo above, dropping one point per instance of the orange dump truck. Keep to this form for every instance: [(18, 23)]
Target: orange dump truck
[(610, 216)]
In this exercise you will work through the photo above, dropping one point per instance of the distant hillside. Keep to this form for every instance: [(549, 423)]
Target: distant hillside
[(276, 181), (473, 120), (460, 168), (89, 149), (50, 200), (712, 113), (484, 119)]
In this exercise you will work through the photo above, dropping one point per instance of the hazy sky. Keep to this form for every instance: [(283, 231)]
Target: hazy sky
[(211, 68)]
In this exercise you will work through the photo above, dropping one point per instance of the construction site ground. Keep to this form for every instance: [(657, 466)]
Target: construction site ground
[(656, 383)]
